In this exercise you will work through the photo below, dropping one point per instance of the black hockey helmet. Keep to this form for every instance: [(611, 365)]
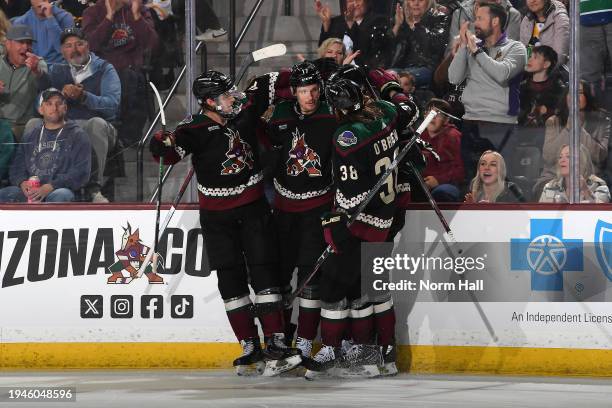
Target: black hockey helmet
[(326, 66), (351, 72), (345, 95), (211, 84), (304, 73)]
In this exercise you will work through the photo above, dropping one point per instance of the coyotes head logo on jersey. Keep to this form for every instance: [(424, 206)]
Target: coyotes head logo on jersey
[(238, 156), (130, 258), (302, 157)]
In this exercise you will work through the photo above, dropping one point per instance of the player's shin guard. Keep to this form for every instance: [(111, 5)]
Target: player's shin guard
[(334, 322), (384, 315), (240, 318), (271, 322), (308, 320), (362, 321)]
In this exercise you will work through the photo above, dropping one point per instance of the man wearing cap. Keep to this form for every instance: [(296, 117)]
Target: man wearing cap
[(46, 22), (20, 70), (56, 151), (121, 32), (93, 92)]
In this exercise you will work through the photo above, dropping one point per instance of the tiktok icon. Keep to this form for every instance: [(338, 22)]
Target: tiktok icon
[(181, 306)]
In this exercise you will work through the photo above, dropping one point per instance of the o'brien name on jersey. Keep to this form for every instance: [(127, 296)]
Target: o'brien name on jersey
[(384, 144)]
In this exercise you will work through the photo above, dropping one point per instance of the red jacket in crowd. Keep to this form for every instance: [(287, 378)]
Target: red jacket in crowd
[(123, 41), (449, 170)]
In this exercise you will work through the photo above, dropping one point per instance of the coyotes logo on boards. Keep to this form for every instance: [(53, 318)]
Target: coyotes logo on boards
[(130, 257), (302, 158)]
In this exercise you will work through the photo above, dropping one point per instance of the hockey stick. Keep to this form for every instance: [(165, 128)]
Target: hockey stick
[(168, 217), (264, 308), (274, 50), (434, 206), (159, 188)]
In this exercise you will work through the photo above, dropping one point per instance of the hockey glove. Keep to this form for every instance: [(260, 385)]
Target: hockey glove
[(407, 110), (161, 143), (415, 156), (384, 82), (335, 231)]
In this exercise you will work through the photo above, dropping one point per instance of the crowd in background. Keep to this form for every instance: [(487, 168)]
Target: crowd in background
[(500, 66)]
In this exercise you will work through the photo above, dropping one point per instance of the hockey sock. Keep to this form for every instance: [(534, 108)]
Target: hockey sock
[(309, 318), (289, 327), (272, 322), (384, 316), (362, 324), (334, 324), (240, 318)]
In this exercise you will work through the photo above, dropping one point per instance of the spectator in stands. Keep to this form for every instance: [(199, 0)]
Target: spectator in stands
[(541, 91), (467, 12), (93, 92), (490, 185), (207, 21), (57, 152), (357, 28), (168, 54), (76, 8), (407, 82), (558, 133), (421, 33), (19, 74), (5, 24), (7, 149), (546, 23), (14, 8), (47, 22), (592, 188), (445, 176), (492, 65), (335, 48), (120, 32), (595, 43)]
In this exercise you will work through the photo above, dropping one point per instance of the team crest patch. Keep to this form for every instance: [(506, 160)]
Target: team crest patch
[(302, 158), (239, 154), (347, 138), (130, 258)]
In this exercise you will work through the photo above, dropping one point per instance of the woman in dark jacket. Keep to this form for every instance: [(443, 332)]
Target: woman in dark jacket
[(421, 34), (490, 185)]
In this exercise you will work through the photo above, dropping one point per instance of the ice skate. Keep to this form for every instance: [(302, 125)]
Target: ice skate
[(251, 361), (304, 345), (389, 356), (322, 363), (361, 360), (279, 358)]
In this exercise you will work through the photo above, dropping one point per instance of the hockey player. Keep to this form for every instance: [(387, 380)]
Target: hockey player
[(301, 131), (377, 83), (365, 145), (234, 215)]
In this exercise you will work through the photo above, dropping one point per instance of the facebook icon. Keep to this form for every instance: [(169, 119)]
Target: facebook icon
[(151, 306)]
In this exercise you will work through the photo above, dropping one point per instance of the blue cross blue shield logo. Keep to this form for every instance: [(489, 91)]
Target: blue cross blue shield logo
[(603, 247), (546, 254)]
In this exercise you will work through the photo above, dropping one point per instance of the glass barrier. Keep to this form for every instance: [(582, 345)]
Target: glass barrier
[(500, 71)]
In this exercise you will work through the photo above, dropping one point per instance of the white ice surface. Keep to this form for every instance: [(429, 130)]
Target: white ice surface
[(220, 388)]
